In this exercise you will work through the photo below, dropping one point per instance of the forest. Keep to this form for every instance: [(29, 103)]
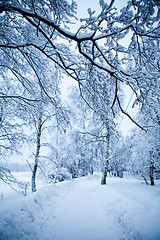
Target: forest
[(55, 138)]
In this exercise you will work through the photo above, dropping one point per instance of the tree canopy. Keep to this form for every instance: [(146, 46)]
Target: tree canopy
[(123, 44)]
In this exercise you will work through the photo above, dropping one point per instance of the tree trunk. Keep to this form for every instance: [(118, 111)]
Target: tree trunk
[(91, 170), (34, 177), (117, 173), (121, 173), (151, 174), (104, 177), (106, 167), (91, 164), (37, 153), (145, 180), (151, 169)]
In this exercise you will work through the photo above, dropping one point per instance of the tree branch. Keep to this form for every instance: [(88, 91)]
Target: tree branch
[(124, 112)]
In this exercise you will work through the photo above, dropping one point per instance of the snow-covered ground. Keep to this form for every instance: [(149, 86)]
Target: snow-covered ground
[(82, 209)]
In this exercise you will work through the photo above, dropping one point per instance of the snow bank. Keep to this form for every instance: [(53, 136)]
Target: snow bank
[(82, 209)]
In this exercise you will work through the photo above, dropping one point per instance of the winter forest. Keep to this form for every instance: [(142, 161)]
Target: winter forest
[(67, 171)]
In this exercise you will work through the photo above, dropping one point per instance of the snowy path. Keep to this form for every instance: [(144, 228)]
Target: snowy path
[(82, 209), (82, 215)]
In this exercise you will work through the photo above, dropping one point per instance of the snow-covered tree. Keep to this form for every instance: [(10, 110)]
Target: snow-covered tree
[(74, 145), (144, 155), (40, 26), (107, 50), (30, 97)]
